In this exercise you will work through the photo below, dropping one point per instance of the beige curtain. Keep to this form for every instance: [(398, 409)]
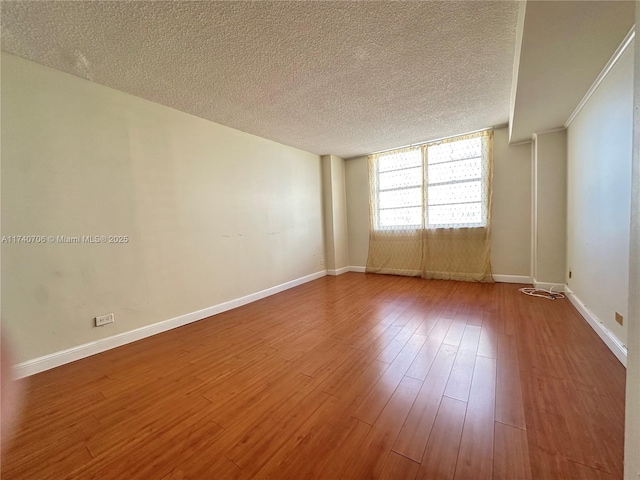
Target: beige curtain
[(430, 210)]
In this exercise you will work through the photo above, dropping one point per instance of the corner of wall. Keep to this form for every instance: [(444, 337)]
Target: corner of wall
[(335, 213)]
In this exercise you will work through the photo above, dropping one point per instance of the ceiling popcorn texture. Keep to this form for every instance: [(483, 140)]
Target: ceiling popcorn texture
[(346, 78)]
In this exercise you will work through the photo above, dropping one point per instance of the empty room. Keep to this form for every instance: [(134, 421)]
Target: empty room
[(320, 240)]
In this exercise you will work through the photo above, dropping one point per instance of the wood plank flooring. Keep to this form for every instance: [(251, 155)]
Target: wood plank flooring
[(356, 376)]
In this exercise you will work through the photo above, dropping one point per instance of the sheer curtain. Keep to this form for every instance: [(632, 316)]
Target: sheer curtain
[(430, 209)]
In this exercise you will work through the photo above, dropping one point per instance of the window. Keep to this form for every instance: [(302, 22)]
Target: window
[(400, 189), (436, 185)]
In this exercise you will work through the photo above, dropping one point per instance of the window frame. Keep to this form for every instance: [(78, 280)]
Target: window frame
[(485, 171), (419, 185)]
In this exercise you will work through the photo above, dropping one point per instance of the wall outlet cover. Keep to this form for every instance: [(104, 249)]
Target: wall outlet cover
[(619, 318), (104, 319)]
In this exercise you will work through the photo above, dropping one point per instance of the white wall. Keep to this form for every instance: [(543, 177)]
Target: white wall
[(511, 208), (550, 200), (632, 401), (357, 183), (335, 212), (599, 149), (212, 213)]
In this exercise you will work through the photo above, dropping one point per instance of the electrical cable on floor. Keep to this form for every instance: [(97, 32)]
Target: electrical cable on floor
[(542, 293)]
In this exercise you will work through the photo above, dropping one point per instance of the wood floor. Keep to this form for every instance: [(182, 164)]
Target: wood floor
[(356, 376)]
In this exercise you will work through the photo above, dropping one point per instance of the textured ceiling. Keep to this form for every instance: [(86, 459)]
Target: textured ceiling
[(328, 77), (564, 47)]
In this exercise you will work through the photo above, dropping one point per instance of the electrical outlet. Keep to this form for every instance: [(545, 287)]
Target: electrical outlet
[(104, 319), (619, 318), (321, 260)]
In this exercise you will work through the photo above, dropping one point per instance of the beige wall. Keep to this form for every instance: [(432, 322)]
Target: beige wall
[(357, 182), (511, 207), (511, 211), (550, 200), (632, 421), (599, 197), (327, 212), (335, 212), (212, 214)]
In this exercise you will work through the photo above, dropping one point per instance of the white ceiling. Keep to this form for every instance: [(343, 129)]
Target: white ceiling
[(345, 78), (565, 45)]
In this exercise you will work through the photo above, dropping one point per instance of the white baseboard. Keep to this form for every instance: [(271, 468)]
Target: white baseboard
[(339, 271), (557, 287), (46, 362), (512, 279), (615, 345), (358, 269)]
